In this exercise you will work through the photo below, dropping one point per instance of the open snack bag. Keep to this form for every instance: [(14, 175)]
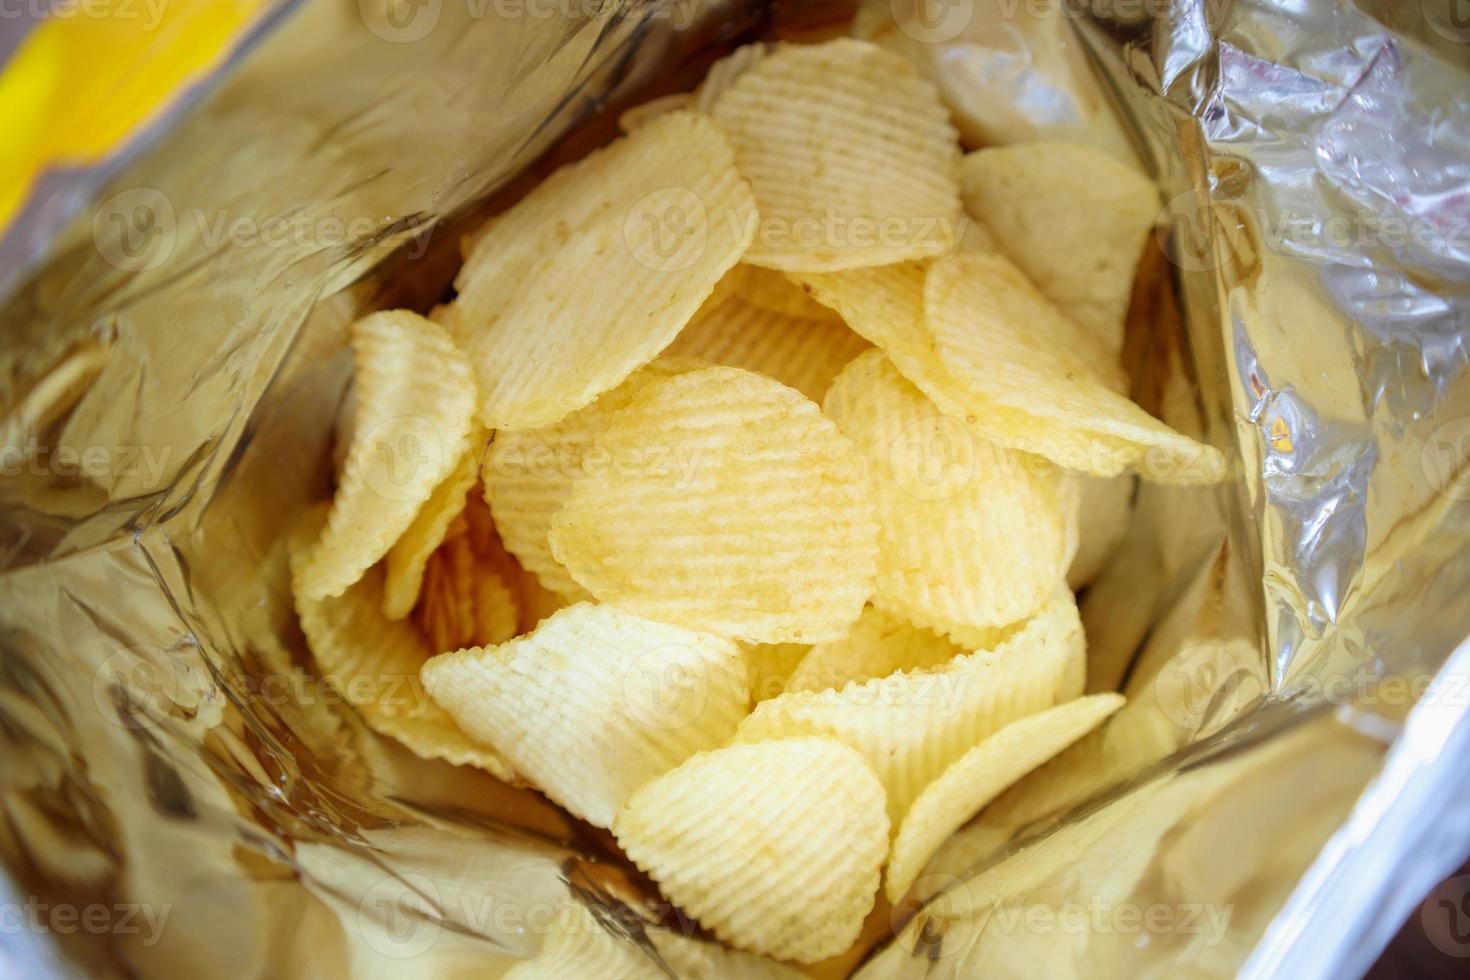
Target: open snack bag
[(894, 489)]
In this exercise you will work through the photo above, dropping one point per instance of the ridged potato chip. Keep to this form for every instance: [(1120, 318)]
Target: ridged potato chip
[(725, 72), (528, 475), (879, 645), (775, 847), (886, 306), (980, 775), (466, 601), (1034, 370), (1104, 508), (595, 702), (851, 157), (413, 406), (581, 946), (594, 272), (737, 509), (405, 563), (644, 112), (775, 291), (1072, 218), (969, 534), (911, 725), (771, 665), (803, 352), (374, 663)]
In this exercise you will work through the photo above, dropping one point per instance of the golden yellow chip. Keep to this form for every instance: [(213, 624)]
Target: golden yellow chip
[(410, 553), (1104, 509), (969, 534), (774, 847), (373, 662), (886, 306), (595, 702), (775, 291), (879, 645), (528, 475), (594, 272), (1034, 371), (850, 155), (725, 72), (630, 119), (771, 665), (413, 398), (1073, 219), (733, 507), (580, 945), (978, 776), (911, 725), (803, 352), (466, 601)]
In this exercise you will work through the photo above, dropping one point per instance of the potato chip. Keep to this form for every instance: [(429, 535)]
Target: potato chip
[(610, 946), (775, 847), (775, 291), (981, 774), (911, 725), (529, 474), (849, 153), (803, 352), (1032, 369), (410, 553), (725, 72), (885, 305), (595, 702), (732, 506), (594, 272), (970, 535), (374, 663), (631, 118), (413, 408), (467, 601), (879, 645), (1104, 509), (1073, 219), (771, 665), (977, 239)]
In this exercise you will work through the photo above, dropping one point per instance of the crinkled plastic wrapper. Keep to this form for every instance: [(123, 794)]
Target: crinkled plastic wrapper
[(1282, 785)]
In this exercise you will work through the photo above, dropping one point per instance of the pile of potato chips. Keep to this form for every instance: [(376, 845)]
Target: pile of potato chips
[(736, 500)]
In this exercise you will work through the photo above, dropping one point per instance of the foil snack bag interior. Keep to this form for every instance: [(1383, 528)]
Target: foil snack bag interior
[(1280, 788)]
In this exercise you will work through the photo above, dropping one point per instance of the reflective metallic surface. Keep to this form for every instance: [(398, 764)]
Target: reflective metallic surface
[(171, 372)]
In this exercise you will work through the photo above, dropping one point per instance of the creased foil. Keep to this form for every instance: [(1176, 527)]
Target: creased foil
[(171, 372)]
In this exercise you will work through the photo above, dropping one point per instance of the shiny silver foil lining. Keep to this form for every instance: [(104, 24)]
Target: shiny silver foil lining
[(1282, 769)]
